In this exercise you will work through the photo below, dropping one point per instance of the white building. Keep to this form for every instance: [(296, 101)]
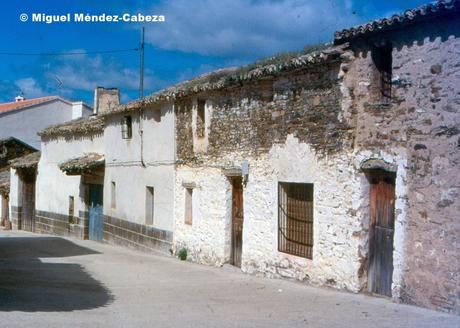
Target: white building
[(58, 186), (24, 118), (106, 177), (337, 167), (139, 176)]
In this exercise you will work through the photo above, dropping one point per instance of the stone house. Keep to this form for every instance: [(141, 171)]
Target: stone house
[(337, 168)]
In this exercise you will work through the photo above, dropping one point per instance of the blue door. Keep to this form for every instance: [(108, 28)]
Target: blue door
[(96, 218)]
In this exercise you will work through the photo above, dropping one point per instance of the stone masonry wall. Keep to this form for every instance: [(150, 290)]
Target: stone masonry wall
[(419, 129), (292, 129), (249, 119), (319, 125)]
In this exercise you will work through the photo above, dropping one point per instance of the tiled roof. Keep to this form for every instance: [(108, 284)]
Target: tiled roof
[(83, 125), (27, 161), (81, 164), (12, 106), (4, 181), (224, 78), (411, 16), (11, 148)]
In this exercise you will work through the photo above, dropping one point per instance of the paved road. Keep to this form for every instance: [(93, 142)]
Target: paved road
[(49, 281)]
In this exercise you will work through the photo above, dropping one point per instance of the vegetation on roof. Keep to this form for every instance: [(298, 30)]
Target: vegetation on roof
[(222, 78), (83, 125), (84, 163), (25, 162)]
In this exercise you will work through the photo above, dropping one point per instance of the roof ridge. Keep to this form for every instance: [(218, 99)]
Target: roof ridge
[(28, 99), (408, 16), (233, 76)]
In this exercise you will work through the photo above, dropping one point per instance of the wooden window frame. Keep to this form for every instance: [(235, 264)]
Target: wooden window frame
[(113, 195), (382, 57), (201, 118), (127, 127), (149, 205), (188, 206), (296, 218)]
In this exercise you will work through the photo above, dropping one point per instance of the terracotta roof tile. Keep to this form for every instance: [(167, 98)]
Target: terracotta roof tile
[(236, 76), (82, 125), (28, 161), (411, 16), (5, 181), (81, 164), (11, 106)]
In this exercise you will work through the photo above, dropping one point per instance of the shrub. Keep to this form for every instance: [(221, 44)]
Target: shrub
[(183, 254)]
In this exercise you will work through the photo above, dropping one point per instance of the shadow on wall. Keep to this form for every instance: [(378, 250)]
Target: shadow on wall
[(27, 284)]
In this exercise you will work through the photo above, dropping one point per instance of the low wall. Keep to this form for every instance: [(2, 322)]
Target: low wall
[(137, 236), (16, 217), (62, 225)]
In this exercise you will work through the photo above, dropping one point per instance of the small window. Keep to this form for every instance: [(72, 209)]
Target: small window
[(295, 219), (188, 206), (200, 118), (71, 209), (383, 61), (149, 205), (127, 127), (113, 195)]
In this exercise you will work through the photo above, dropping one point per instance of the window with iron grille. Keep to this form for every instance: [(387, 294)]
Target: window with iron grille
[(295, 219), (383, 61), (127, 127)]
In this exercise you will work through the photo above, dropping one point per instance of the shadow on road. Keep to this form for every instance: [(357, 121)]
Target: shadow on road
[(28, 284)]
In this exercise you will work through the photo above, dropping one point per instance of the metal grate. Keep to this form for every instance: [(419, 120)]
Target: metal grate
[(385, 86), (383, 61), (295, 219)]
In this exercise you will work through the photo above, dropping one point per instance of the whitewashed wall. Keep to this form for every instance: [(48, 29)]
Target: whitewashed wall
[(53, 187), (132, 173), (338, 237), (207, 239), (14, 189), (24, 124)]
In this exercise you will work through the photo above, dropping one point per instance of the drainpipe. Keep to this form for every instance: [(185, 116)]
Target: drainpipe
[(141, 132)]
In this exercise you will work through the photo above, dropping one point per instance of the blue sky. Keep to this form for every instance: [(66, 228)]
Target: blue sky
[(198, 36)]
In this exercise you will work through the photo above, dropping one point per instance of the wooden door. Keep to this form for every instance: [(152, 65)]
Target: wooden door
[(5, 210), (28, 205), (96, 218), (237, 221), (381, 232)]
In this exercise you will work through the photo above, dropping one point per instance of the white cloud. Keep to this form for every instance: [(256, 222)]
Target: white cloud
[(67, 75), (30, 87), (84, 72), (247, 28)]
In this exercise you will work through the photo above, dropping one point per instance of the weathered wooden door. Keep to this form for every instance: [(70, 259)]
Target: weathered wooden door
[(237, 220), (5, 209), (28, 204), (382, 198), (96, 219)]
